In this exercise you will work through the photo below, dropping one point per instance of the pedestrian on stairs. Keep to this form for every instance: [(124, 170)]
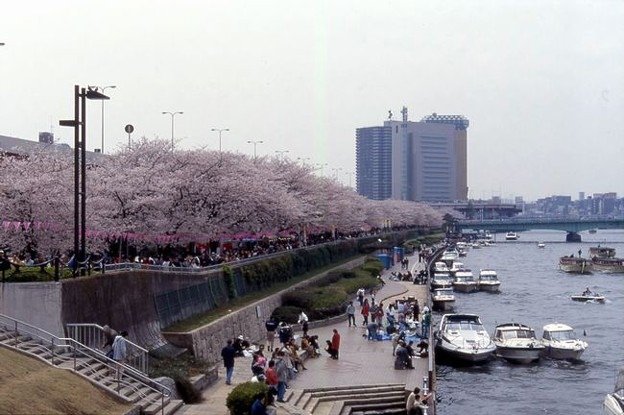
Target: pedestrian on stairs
[(120, 353), (228, 353)]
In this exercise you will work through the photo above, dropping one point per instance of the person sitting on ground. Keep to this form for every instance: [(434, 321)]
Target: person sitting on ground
[(258, 363), (307, 346), (333, 353), (402, 360), (315, 345), (294, 356), (422, 349), (239, 345)]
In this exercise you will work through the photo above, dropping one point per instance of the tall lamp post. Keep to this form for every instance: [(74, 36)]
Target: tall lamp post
[(103, 88), (349, 173), (303, 160), (280, 153), (320, 166), (173, 114), (255, 143), (79, 123), (220, 130)]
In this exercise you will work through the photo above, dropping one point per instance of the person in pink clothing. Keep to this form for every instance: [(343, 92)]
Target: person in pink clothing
[(335, 343), (365, 311)]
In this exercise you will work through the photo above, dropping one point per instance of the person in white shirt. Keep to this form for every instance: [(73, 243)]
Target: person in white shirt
[(303, 320), (416, 404)]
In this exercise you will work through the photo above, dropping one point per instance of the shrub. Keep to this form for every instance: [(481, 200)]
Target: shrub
[(241, 398), (286, 313), (349, 274), (228, 277)]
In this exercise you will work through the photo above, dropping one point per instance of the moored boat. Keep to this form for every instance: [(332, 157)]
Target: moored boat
[(462, 337), (488, 281), (575, 265), (517, 343), (441, 280), (613, 403), (541, 245), (511, 236), (608, 265), (456, 266), (560, 342), (465, 281), (440, 266), (601, 252), (443, 299)]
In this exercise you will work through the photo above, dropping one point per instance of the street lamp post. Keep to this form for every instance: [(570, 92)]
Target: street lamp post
[(103, 88), (349, 173), (220, 130), (255, 143), (79, 123), (173, 114), (280, 153), (303, 160), (320, 166), (336, 170)]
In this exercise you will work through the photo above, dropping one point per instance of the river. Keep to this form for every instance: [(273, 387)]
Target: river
[(535, 292)]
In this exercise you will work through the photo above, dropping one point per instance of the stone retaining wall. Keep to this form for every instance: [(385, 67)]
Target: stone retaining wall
[(206, 342)]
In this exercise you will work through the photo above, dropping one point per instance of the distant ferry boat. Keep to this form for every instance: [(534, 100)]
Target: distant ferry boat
[(575, 265), (511, 236), (604, 260)]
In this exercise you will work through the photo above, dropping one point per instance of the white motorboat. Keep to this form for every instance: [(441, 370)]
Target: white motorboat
[(449, 255), (517, 343), (462, 337), (588, 296), (541, 245), (440, 266), (476, 245), (465, 282), (457, 266), (561, 342), (601, 252), (488, 281), (614, 402), (443, 299), (511, 236), (462, 253), (441, 280), (575, 265)]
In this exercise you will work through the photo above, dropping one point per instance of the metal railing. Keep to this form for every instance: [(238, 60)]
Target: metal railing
[(76, 356), (94, 336)]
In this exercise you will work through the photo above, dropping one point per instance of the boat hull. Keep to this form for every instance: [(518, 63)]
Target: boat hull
[(443, 305), (562, 353), (521, 355), (465, 288), (608, 268), (575, 268), (613, 405), (584, 298), (467, 355), (491, 288)]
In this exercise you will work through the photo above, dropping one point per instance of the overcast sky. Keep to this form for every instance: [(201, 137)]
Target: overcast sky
[(542, 82)]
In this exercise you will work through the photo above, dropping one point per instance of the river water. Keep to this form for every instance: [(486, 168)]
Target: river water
[(535, 292)]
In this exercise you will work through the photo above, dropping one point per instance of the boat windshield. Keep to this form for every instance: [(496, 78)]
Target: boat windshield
[(518, 334), (464, 325), (562, 335), (488, 278)]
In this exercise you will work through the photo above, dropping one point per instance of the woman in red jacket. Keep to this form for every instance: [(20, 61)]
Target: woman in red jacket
[(365, 311)]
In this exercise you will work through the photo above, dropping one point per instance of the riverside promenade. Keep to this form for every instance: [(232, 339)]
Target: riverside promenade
[(362, 362)]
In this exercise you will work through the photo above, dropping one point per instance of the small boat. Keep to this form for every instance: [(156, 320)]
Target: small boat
[(587, 295), (476, 245), (449, 255), (517, 343), (441, 280), (462, 253), (511, 236), (440, 266), (462, 337), (575, 265), (541, 245), (443, 299), (561, 342), (457, 266), (488, 281), (613, 403), (465, 282), (592, 231)]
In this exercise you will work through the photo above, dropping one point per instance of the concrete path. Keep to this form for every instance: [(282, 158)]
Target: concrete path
[(361, 361)]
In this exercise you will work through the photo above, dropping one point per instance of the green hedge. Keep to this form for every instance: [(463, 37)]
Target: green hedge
[(241, 398)]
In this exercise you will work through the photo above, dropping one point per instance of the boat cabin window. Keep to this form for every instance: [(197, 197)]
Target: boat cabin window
[(562, 335)]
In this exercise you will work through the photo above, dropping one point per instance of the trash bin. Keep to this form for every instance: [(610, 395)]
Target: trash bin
[(386, 260)]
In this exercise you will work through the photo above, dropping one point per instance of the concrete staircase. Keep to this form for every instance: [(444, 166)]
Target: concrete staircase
[(132, 387), (348, 400)]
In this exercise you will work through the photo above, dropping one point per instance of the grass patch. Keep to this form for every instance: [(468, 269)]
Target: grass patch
[(28, 386), (34, 274), (203, 319), (180, 369)]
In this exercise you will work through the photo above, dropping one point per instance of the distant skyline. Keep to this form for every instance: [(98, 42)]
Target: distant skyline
[(540, 81)]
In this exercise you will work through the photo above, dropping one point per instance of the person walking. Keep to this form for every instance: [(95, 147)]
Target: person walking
[(351, 314), (303, 320), (228, 353), (282, 375), (271, 326), (120, 352), (426, 323), (365, 311), (335, 343)]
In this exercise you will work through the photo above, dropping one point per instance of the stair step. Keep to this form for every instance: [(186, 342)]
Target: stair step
[(153, 403), (349, 407), (173, 406), (294, 396), (311, 404), (383, 386)]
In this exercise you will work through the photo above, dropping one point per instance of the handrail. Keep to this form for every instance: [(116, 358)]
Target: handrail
[(77, 348), (94, 336)]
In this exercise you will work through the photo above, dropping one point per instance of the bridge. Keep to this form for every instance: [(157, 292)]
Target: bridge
[(571, 226)]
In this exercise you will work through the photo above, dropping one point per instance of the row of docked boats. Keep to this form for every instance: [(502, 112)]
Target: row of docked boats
[(601, 259), (463, 337)]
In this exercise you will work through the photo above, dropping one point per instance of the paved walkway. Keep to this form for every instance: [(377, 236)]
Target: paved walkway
[(361, 361)]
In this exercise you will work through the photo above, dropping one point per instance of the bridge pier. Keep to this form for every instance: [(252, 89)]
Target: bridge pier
[(573, 237)]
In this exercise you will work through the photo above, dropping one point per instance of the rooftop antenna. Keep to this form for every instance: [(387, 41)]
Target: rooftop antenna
[(389, 114), (404, 112)]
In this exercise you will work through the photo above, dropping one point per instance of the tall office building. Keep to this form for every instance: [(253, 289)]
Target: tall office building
[(373, 147), (428, 158)]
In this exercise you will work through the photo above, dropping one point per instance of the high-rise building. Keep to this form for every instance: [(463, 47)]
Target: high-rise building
[(373, 148), (428, 158)]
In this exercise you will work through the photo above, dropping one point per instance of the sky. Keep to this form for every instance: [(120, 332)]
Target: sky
[(542, 82)]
